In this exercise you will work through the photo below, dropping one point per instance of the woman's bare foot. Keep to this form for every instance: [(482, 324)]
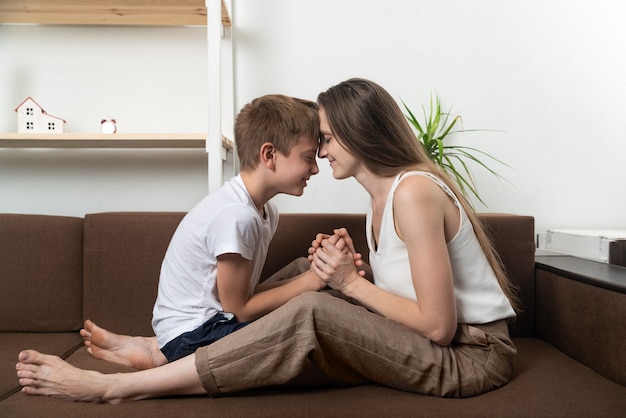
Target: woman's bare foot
[(138, 352), (46, 375), (42, 374)]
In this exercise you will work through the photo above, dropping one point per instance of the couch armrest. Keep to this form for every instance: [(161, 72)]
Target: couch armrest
[(581, 309)]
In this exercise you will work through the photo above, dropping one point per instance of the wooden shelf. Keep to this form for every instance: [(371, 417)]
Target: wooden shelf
[(97, 140), (213, 14), (108, 12)]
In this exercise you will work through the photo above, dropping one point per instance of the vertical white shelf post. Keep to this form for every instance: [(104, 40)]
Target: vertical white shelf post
[(230, 161), (214, 147)]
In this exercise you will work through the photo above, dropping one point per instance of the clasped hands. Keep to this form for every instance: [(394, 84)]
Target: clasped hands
[(335, 261)]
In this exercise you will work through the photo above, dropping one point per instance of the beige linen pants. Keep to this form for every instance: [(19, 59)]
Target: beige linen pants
[(351, 345)]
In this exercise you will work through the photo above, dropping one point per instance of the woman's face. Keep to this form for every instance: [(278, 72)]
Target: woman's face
[(343, 163)]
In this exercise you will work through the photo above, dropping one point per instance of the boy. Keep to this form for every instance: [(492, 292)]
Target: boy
[(209, 282)]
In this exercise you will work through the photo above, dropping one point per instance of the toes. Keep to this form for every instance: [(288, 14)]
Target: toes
[(28, 356), (28, 389), (24, 367), (33, 389), (89, 325), (26, 381), (26, 374), (22, 356), (33, 360)]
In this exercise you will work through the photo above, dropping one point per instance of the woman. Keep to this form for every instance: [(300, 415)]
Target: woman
[(435, 271), (433, 321)]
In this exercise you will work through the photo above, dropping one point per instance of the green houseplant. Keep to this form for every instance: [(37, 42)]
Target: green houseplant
[(433, 131)]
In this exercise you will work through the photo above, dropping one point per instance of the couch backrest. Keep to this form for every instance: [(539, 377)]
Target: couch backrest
[(122, 260), (296, 231), (123, 254), (40, 273), (57, 271), (513, 237)]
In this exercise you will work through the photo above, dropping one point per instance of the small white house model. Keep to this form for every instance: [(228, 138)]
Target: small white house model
[(31, 118)]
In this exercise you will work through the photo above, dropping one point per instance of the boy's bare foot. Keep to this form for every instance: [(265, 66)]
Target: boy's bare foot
[(41, 374), (138, 352)]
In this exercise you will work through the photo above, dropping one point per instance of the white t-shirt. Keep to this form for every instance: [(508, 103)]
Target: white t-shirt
[(226, 221), (479, 298)]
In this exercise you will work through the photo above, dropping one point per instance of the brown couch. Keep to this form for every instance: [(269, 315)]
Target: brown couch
[(55, 272)]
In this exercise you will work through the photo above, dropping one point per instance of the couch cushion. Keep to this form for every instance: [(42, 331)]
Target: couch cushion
[(122, 260), (546, 383), (11, 343), (41, 281)]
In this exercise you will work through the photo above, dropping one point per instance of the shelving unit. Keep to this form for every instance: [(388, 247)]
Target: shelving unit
[(109, 12), (117, 141), (214, 14)]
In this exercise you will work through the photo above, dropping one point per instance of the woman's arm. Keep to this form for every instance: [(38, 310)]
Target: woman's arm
[(426, 219), (420, 215)]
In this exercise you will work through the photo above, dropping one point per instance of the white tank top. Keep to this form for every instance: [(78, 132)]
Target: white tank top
[(479, 298)]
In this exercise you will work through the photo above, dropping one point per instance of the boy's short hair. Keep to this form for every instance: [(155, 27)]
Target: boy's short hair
[(281, 120)]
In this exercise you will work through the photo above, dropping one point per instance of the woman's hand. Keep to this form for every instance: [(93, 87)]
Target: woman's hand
[(348, 245), (334, 263)]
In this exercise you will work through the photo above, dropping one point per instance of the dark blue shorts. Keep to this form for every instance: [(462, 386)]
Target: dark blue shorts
[(212, 330)]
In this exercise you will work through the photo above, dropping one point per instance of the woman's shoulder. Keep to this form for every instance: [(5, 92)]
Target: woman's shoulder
[(423, 195), (417, 186), (426, 200)]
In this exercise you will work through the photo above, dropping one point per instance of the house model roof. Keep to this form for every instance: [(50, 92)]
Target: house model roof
[(41, 108)]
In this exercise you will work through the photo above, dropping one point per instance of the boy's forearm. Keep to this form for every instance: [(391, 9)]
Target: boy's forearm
[(285, 275), (265, 301), (266, 285), (303, 279)]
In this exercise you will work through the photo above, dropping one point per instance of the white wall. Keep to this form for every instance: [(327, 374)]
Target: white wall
[(548, 74), (149, 79)]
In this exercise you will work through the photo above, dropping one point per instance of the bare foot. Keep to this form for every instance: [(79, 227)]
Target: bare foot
[(46, 375), (138, 352)]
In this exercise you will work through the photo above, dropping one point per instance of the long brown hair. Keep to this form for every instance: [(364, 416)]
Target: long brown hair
[(372, 127)]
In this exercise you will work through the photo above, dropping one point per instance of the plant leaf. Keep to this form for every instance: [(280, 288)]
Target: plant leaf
[(432, 133)]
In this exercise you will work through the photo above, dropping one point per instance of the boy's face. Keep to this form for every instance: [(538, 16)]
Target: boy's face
[(296, 169)]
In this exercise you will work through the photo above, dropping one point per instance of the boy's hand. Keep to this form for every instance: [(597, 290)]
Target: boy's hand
[(317, 243), (335, 264), (342, 240)]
